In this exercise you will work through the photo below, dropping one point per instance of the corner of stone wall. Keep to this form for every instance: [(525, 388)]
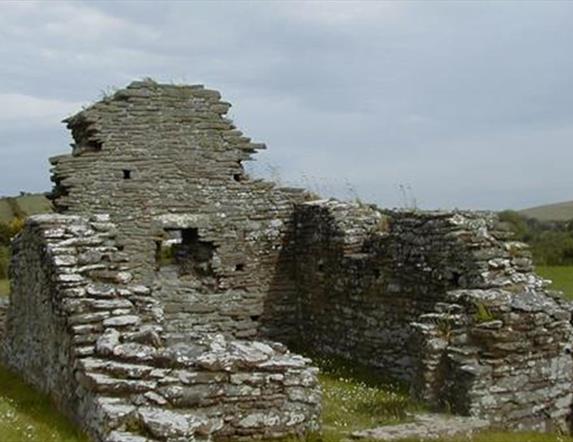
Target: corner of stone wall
[(500, 355), (445, 300), (498, 345), (78, 330)]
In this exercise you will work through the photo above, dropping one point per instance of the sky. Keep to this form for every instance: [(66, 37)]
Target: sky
[(400, 103)]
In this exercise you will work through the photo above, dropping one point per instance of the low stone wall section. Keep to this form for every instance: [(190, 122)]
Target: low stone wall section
[(78, 330), (444, 300), (499, 354)]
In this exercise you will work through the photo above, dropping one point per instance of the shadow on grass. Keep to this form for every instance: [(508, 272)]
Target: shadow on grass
[(28, 415)]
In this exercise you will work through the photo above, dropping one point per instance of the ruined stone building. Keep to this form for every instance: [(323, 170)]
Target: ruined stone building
[(159, 302)]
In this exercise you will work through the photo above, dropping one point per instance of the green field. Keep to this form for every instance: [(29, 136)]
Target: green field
[(562, 277), (4, 287), (34, 204), (22, 206), (6, 212)]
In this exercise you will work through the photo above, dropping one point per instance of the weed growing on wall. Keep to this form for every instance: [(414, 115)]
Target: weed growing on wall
[(483, 314)]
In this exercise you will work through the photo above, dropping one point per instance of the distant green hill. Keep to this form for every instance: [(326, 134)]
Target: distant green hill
[(550, 212), (24, 205)]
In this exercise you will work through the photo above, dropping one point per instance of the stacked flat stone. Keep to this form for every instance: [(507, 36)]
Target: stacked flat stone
[(155, 150), (135, 349), (426, 427), (79, 330), (444, 300), (511, 364)]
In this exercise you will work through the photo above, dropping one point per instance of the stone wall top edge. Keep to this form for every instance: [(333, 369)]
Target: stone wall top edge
[(65, 219), (497, 294), (398, 212), (439, 213), (146, 89), (139, 84)]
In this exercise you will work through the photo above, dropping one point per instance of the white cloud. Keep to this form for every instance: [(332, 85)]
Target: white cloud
[(25, 107), (72, 22), (336, 13), (379, 93)]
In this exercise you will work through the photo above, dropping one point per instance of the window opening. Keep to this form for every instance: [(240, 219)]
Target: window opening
[(184, 249)]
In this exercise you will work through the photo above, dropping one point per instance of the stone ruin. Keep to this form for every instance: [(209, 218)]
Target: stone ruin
[(159, 302)]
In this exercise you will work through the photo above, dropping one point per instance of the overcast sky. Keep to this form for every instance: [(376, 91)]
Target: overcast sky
[(460, 104)]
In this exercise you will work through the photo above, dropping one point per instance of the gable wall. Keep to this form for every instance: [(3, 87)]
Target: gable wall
[(184, 158)]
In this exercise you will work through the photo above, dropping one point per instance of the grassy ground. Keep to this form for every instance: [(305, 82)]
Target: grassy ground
[(514, 437), (354, 398), (34, 204), (4, 287), (26, 415), (23, 205), (562, 277), (503, 437), (6, 210)]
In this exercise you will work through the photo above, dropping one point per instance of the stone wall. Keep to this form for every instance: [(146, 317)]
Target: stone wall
[(79, 329), (162, 159), (130, 309), (444, 300), (364, 275), (349, 305), (499, 354)]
